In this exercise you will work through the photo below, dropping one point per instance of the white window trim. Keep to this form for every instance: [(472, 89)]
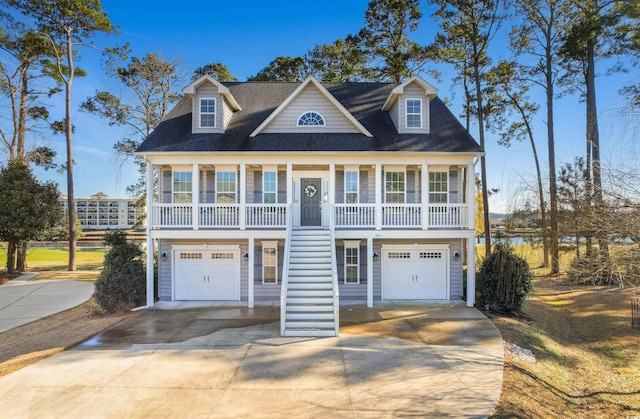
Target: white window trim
[(270, 245), (404, 193), (351, 244), (406, 113), (215, 113), (173, 186), (324, 124), (263, 184), (446, 172), (357, 185), (217, 191)]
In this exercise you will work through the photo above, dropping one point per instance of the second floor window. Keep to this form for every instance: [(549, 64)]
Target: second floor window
[(414, 113), (438, 186), (208, 113), (270, 187), (226, 187), (351, 187), (182, 187), (394, 187)]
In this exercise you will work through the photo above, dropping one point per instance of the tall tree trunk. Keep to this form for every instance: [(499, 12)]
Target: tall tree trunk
[(21, 264), (71, 213), (593, 137), (11, 257), (553, 187), (22, 113), (483, 163)]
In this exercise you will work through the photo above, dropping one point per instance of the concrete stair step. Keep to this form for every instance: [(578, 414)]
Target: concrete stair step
[(308, 308), (309, 300), (310, 293), (309, 272), (309, 333), (309, 266), (310, 286), (310, 324), (309, 315)]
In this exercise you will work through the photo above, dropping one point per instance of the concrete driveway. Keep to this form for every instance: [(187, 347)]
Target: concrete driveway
[(442, 360), (23, 300)]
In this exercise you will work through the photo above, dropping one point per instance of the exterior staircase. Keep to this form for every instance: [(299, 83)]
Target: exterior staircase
[(309, 303)]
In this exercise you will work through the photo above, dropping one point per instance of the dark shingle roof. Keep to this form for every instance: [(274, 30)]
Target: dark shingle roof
[(259, 99)]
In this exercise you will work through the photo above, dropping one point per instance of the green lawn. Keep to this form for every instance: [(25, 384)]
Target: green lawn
[(57, 256)]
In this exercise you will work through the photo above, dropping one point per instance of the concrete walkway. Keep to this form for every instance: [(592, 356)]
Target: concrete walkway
[(160, 363), (23, 300)]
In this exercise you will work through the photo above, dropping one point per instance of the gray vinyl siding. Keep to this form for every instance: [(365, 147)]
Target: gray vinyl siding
[(363, 187), (166, 187), (250, 198), (207, 91), (340, 187), (454, 187), (164, 271), (310, 99), (352, 291), (412, 194), (227, 114), (282, 187), (394, 114)]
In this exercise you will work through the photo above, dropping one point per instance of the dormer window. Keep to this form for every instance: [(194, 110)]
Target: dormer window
[(207, 113), (414, 113), (308, 119)]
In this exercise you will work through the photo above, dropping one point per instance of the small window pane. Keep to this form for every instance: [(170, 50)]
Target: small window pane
[(207, 113), (438, 187), (182, 187), (414, 113), (269, 265), (311, 119), (270, 187), (226, 187), (351, 256)]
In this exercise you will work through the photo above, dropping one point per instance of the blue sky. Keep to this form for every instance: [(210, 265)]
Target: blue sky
[(247, 35)]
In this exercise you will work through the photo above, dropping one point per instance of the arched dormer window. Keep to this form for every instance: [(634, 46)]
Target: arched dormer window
[(311, 119)]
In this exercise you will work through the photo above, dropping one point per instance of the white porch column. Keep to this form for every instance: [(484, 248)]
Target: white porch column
[(243, 196), (378, 189), (424, 195), (251, 269), (369, 272), (289, 183), (150, 221), (195, 195), (471, 272), (471, 197), (332, 184)]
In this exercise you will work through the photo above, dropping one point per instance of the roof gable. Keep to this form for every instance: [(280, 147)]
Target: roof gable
[(429, 91), (192, 89), (311, 89)]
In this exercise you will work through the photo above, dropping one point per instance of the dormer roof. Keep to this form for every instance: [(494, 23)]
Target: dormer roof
[(191, 90), (314, 82), (429, 91)]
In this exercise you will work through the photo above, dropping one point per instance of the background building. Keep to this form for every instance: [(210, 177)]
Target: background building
[(103, 213)]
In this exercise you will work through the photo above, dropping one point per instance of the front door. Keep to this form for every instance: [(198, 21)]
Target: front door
[(310, 199)]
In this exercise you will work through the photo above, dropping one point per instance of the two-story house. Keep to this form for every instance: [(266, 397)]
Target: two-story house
[(312, 194)]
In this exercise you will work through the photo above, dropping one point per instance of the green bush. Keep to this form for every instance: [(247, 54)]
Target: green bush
[(504, 280), (121, 284)]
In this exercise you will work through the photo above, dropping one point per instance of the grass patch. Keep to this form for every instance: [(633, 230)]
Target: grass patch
[(88, 258), (586, 351)]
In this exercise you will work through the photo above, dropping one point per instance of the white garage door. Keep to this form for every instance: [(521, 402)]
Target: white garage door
[(415, 274), (207, 275)]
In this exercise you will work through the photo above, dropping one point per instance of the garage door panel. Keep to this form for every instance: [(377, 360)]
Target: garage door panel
[(209, 275), (415, 274)]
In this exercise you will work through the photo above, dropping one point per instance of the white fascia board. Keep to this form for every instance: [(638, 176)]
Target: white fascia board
[(325, 93)]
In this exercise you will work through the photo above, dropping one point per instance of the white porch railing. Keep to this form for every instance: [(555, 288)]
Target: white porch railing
[(448, 215), (401, 215), (172, 215), (219, 215), (355, 215), (345, 215), (266, 215)]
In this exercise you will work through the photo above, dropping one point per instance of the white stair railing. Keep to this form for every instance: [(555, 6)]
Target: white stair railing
[(285, 271), (334, 271)]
